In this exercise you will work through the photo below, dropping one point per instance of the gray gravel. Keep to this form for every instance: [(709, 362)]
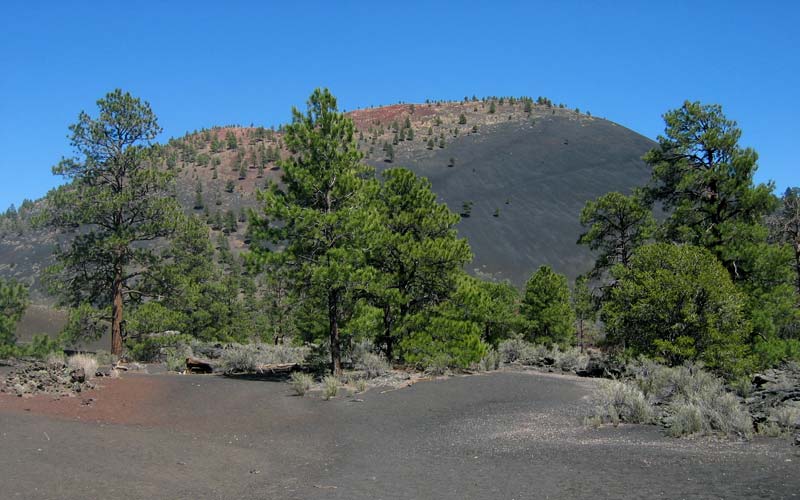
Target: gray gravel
[(503, 435)]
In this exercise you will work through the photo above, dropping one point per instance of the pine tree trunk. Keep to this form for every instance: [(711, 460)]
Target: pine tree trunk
[(387, 332), (333, 320), (116, 313)]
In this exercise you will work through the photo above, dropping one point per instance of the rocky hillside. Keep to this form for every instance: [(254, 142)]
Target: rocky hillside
[(518, 171)]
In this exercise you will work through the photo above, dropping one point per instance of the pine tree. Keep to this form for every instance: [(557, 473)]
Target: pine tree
[(616, 226), (785, 225), (13, 302), (320, 214), (546, 306), (121, 197), (230, 140), (417, 252), (704, 180)]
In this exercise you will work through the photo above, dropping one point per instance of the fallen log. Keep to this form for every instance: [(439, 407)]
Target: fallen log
[(278, 368), (194, 365)]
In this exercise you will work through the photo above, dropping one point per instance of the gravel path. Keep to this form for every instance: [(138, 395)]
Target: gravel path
[(498, 436)]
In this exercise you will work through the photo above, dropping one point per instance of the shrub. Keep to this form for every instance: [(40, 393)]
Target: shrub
[(514, 349), (570, 359), (152, 348), (240, 359), (677, 302), (330, 387), (444, 342), (490, 362), (104, 357), (301, 383), (248, 358), (686, 419), (438, 365), (373, 365), (85, 361), (688, 394), (176, 358), (785, 417), (623, 402), (41, 345)]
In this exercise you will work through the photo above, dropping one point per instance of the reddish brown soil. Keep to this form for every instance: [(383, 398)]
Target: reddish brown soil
[(364, 118), (129, 400)]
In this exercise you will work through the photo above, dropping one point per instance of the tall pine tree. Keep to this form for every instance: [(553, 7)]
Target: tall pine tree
[(121, 199), (320, 215)]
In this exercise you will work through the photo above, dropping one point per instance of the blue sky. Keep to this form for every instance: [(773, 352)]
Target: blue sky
[(201, 64)]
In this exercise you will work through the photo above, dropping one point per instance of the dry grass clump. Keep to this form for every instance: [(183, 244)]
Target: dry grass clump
[(301, 383), (490, 361), (330, 387), (782, 421), (361, 385), (621, 402), (85, 361), (104, 357)]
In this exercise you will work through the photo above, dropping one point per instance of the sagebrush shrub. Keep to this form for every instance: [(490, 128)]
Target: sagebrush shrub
[(301, 383), (373, 365), (240, 359), (490, 362), (625, 402), (692, 399)]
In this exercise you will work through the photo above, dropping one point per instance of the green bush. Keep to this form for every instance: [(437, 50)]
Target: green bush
[(444, 341), (152, 348), (547, 307), (175, 358), (40, 347), (677, 303), (774, 351)]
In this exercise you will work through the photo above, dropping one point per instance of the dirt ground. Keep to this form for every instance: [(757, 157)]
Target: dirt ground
[(504, 435)]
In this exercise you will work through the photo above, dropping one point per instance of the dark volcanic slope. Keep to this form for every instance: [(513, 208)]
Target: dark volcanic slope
[(538, 175), (535, 170)]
